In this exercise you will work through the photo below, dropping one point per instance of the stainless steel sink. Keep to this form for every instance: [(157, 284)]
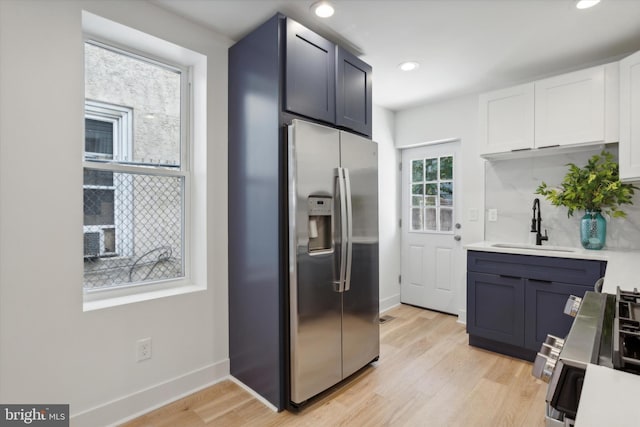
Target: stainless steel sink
[(532, 247)]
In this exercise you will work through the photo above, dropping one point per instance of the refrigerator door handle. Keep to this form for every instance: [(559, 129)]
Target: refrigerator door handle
[(347, 278), (343, 229)]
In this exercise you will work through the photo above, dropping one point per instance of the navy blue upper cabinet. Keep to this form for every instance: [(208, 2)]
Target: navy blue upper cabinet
[(353, 92), (310, 79), (323, 81)]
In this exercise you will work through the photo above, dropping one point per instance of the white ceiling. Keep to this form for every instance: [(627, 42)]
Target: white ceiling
[(463, 46)]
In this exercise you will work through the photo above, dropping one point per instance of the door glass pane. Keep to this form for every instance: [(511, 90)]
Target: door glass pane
[(430, 219), (417, 170), (446, 168), (446, 219), (432, 183), (431, 169), (416, 219), (446, 194)]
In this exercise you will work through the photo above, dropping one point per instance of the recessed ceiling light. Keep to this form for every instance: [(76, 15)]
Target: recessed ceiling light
[(586, 4), (408, 66), (323, 9)]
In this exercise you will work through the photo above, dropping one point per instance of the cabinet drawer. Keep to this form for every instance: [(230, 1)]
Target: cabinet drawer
[(566, 270)]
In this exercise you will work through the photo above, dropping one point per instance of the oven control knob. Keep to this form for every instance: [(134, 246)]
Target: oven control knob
[(554, 341), (543, 367), (572, 306)]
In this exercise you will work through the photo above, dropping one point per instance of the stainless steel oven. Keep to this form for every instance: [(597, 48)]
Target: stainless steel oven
[(563, 362), (605, 332)]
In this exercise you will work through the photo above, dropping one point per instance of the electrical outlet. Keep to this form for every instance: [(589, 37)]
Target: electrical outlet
[(143, 349), (472, 214), (493, 215)]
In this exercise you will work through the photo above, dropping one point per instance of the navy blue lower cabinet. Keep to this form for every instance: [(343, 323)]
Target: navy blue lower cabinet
[(544, 310), (495, 308), (514, 301)]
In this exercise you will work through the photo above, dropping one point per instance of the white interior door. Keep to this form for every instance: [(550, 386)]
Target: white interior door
[(432, 254)]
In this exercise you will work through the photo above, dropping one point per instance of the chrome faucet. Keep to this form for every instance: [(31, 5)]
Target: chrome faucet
[(536, 221)]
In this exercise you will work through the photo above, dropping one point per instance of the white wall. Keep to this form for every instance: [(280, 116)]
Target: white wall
[(50, 350), (452, 119), (388, 215)]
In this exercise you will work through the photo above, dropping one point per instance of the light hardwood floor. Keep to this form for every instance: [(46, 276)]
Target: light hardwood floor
[(427, 375)]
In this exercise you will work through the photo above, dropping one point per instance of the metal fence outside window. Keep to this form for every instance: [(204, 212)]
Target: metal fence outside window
[(133, 228)]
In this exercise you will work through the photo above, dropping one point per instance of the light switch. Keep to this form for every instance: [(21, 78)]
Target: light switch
[(472, 214), (492, 215)]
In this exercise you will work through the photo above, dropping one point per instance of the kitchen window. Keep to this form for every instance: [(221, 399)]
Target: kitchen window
[(136, 175)]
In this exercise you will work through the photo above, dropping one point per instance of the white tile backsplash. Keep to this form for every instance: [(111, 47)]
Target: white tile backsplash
[(510, 188)]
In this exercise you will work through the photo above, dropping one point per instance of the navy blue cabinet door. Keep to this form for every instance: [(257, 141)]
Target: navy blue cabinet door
[(495, 307), (309, 74), (353, 92), (544, 310)]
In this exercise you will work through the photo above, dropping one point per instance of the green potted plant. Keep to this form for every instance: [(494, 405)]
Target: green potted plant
[(594, 189)]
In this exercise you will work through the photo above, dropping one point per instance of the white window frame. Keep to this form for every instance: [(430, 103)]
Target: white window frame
[(122, 161), (197, 209), (121, 119)]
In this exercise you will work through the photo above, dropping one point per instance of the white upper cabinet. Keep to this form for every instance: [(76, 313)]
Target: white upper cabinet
[(577, 108), (629, 149), (506, 120), (571, 108)]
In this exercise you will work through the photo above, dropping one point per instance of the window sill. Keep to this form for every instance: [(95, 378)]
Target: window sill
[(108, 302)]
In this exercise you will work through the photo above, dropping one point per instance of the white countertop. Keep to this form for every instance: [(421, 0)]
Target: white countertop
[(623, 267), (608, 398)]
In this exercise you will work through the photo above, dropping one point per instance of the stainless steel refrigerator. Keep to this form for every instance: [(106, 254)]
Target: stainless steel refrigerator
[(333, 256)]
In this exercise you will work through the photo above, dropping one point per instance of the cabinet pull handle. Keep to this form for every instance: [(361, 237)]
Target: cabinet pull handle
[(510, 277), (546, 282)]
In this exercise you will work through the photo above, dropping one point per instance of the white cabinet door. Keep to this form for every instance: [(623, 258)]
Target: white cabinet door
[(570, 109), (506, 120), (629, 150)]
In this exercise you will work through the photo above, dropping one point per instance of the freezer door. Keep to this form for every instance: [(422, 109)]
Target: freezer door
[(315, 300), (360, 324)]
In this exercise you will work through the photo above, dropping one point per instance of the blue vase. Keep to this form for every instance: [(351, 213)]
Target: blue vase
[(593, 230)]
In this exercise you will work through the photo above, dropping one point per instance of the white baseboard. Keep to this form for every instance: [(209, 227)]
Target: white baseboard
[(389, 303), (462, 317), (139, 403)]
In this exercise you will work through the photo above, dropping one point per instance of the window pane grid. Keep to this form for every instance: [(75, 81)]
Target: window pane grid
[(432, 198)]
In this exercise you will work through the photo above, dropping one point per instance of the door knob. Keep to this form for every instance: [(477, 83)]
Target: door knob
[(457, 238), (458, 225)]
